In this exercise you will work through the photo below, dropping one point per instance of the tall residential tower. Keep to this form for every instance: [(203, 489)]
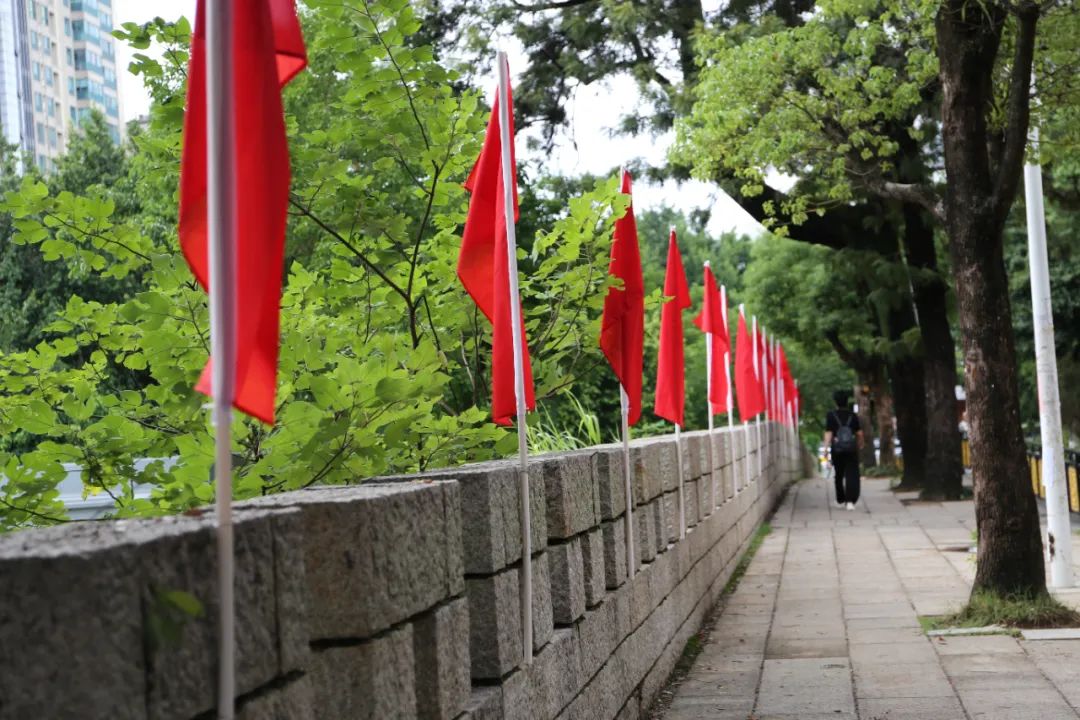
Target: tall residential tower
[(57, 62)]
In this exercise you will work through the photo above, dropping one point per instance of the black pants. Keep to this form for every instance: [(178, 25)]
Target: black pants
[(847, 477)]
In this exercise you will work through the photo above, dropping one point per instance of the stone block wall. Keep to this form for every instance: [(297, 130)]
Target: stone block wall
[(398, 597)]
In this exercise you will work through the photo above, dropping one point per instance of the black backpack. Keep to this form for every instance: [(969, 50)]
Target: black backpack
[(844, 438)]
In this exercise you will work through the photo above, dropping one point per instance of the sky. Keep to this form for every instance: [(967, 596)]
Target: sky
[(588, 147)]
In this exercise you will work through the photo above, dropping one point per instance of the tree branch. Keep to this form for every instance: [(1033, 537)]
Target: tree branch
[(1018, 111), (553, 5), (914, 193)]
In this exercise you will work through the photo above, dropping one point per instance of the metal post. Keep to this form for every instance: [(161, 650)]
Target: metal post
[(735, 485), (519, 372), (631, 564), (682, 498), (708, 408), (221, 211), (1059, 534)]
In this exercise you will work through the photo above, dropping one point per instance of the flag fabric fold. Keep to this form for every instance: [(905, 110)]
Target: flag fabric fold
[(268, 50), (622, 330), (786, 380), (671, 367), (711, 320), (484, 267), (748, 393), (769, 376)]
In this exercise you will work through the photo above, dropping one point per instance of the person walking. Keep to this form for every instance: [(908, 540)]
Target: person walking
[(844, 438)]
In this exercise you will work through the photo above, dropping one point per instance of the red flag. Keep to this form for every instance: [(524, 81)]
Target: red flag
[(711, 320), (785, 376), (670, 366), (268, 50), (747, 389), (765, 373), (622, 331), (484, 268)]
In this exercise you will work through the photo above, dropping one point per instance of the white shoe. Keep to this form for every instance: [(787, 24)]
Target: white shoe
[(850, 506)]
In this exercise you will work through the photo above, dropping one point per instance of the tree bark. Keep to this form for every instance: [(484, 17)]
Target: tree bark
[(910, 398), (883, 413), (944, 466), (862, 399), (982, 169)]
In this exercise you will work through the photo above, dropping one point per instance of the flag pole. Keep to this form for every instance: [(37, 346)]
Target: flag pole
[(519, 373), (682, 499), (757, 372), (735, 487), (221, 188), (624, 402), (1053, 451), (708, 405), (745, 421), (679, 460)]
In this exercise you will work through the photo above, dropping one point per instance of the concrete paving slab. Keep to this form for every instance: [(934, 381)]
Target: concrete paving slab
[(901, 708), (1016, 705), (825, 624), (1052, 634), (917, 651), (803, 687)]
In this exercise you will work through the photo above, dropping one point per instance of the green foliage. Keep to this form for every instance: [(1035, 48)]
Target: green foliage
[(545, 435), (821, 101), (383, 358)]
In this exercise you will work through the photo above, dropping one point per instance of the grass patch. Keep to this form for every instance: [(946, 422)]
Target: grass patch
[(744, 561), (880, 471), (1041, 611)]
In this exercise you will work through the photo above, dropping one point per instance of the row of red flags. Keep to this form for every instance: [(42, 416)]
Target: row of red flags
[(483, 270), (268, 51)]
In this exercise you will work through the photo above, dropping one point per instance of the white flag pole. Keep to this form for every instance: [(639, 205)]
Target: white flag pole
[(221, 204), (1059, 532), (631, 564), (735, 485), (682, 498), (679, 460), (708, 405), (519, 364), (746, 422), (757, 374)]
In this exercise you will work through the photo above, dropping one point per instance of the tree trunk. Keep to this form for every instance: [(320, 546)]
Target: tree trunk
[(883, 413), (944, 465), (909, 393), (862, 399), (983, 172)]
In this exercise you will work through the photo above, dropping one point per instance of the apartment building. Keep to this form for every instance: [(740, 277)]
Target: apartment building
[(57, 62)]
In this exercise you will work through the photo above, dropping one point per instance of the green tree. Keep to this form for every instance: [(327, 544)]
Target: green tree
[(861, 69), (383, 359)]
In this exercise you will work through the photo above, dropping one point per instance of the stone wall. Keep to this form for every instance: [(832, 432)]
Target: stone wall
[(396, 598)]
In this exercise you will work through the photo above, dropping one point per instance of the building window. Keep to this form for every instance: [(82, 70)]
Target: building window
[(73, 116), (67, 26), (42, 164), (33, 40), (71, 86), (40, 133), (37, 102), (52, 137)]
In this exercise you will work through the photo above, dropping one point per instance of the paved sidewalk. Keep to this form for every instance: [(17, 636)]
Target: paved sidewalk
[(825, 625)]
